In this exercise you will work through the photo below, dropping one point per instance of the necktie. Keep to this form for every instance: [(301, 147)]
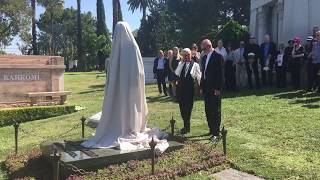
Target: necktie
[(186, 69)]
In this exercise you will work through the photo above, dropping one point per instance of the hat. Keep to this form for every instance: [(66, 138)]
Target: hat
[(290, 41), (252, 37), (309, 38)]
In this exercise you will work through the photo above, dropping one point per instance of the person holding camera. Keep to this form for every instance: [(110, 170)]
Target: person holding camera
[(297, 59)]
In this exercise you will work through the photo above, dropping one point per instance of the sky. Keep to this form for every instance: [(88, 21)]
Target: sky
[(90, 5)]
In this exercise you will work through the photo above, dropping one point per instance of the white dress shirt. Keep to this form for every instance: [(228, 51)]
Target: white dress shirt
[(207, 61), (160, 63)]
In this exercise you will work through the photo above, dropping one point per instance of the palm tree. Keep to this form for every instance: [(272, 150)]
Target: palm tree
[(52, 7), (117, 13), (142, 4), (34, 32)]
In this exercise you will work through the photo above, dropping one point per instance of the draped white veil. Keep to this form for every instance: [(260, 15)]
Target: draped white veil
[(124, 114)]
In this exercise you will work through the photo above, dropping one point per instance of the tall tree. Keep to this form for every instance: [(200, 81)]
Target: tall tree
[(14, 19), (102, 31), (236, 10), (34, 32), (117, 14), (142, 5), (81, 59), (53, 8)]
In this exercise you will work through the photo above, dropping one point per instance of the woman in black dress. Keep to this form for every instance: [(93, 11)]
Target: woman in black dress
[(297, 59), (173, 64)]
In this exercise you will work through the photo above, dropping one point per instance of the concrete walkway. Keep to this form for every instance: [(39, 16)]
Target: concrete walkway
[(232, 174)]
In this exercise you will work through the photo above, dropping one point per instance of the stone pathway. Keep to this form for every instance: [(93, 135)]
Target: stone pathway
[(232, 174)]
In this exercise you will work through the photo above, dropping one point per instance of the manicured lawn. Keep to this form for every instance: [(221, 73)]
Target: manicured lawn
[(271, 134)]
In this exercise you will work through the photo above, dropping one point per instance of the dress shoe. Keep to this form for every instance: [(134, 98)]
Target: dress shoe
[(185, 130), (215, 139)]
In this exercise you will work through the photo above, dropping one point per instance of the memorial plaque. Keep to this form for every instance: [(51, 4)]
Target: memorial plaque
[(20, 75)]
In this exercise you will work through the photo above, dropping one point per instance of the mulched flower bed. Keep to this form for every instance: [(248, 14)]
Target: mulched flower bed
[(192, 158)]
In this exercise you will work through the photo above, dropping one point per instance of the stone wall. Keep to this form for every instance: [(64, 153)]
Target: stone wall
[(20, 75)]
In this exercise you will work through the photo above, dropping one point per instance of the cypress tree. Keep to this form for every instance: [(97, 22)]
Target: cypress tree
[(102, 30)]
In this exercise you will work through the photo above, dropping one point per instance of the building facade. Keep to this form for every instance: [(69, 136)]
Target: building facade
[(284, 19)]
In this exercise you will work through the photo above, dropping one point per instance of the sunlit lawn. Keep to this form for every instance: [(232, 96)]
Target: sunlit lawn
[(271, 134)]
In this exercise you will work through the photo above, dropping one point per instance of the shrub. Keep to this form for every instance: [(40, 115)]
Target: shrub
[(10, 116)]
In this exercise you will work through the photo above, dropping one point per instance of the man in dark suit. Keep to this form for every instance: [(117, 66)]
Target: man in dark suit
[(268, 54), (160, 70), (211, 84), (251, 55)]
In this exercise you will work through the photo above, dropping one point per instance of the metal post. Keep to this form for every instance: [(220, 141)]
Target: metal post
[(16, 133), (83, 119), (224, 140), (152, 145), (172, 122), (55, 165)]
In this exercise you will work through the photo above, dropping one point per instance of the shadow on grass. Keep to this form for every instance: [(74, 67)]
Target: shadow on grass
[(161, 99), (35, 167), (225, 95), (311, 106), (70, 74), (255, 92), (301, 97), (97, 86), (296, 94), (306, 101), (92, 91), (4, 170)]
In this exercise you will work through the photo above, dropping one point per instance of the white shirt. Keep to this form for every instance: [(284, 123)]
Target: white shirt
[(222, 51), (195, 71), (207, 61), (160, 63), (280, 59)]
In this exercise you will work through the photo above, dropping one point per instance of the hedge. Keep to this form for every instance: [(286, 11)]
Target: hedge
[(10, 116)]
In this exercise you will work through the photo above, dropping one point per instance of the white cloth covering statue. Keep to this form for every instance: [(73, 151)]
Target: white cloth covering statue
[(124, 114)]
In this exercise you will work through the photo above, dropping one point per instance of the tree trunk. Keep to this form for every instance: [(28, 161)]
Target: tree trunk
[(144, 11), (51, 34), (119, 11), (34, 32), (115, 7), (82, 64)]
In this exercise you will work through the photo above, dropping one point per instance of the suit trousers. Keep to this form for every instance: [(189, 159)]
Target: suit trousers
[(213, 112), (253, 69), (267, 77), (161, 80), (185, 96)]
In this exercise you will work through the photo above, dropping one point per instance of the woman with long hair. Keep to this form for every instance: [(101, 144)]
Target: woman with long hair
[(173, 64)]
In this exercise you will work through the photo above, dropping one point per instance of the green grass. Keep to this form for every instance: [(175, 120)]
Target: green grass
[(271, 134)]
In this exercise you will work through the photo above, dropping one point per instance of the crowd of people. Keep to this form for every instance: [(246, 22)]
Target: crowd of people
[(249, 65)]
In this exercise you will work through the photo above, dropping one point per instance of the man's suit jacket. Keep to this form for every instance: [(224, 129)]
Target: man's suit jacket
[(213, 74), (272, 52), (166, 65)]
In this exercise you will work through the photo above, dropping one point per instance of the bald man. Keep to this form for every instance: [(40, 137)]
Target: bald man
[(211, 84)]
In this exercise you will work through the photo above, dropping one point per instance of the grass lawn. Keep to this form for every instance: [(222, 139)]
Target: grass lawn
[(271, 134)]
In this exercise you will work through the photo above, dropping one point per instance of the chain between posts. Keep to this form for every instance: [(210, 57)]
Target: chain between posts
[(50, 137), (74, 169), (18, 128)]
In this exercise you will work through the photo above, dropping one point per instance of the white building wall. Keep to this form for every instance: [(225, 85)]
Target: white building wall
[(295, 18)]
